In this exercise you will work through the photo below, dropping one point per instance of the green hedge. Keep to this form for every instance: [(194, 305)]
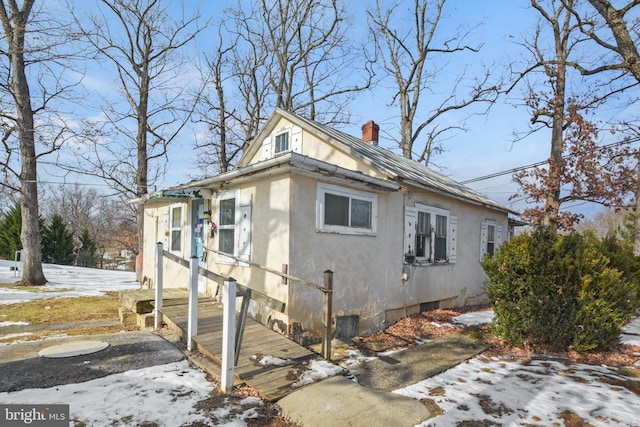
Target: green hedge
[(559, 293)]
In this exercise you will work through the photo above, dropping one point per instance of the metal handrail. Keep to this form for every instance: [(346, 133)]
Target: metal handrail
[(273, 271)]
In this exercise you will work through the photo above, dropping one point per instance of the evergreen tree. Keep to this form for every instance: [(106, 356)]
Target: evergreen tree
[(57, 242), (10, 227), (87, 252)]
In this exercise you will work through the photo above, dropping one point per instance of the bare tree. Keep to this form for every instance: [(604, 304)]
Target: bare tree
[(295, 55), (560, 97), (624, 46), (33, 62), (291, 54), (107, 218), (145, 45), (413, 52), (222, 144)]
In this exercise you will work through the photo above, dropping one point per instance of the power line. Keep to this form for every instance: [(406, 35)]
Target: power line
[(533, 165)]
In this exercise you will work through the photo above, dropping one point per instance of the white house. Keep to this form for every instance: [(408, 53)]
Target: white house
[(399, 237)]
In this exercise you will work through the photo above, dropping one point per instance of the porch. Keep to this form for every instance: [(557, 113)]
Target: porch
[(269, 362)]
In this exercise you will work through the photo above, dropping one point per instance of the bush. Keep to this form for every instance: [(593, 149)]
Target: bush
[(561, 293)]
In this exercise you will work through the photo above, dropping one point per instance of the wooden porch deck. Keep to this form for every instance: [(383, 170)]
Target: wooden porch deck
[(271, 380)]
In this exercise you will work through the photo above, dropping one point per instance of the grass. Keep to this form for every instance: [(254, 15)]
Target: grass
[(63, 310), (36, 289)]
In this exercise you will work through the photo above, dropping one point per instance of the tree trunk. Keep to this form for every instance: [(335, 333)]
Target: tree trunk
[(636, 235), (32, 273), (556, 162)]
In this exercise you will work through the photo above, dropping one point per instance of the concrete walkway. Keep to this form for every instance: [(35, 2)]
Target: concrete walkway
[(340, 401), (414, 364)]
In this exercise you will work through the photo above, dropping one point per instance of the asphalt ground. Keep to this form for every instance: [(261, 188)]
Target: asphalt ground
[(21, 367)]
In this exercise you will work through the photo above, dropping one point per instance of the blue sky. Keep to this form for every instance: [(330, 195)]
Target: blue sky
[(488, 145)]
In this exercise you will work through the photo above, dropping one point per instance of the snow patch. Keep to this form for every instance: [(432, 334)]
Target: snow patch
[(161, 395), (9, 336), (317, 370), (271, 360), (444, 325), (66, 281), (535, 393), (474, 318), (2, 324)]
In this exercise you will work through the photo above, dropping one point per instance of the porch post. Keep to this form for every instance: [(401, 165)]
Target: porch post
[(158, 283), (327, 321), (192, 326), (228, 333)]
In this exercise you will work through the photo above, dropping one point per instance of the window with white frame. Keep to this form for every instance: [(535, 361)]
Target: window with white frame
[(490, 238), (282, 143), (343, 210), (234, 226), (227, 225), (176, 229), (430, 234)]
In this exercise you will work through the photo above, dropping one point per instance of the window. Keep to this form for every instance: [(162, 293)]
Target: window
[(423, 235), (440, 239), (342, 210), (430, 234), (490, 238), (176, 229), (282, 142), (234, 227), (227, 226)]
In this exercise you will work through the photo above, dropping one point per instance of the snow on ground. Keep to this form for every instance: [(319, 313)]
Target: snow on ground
[(537, 392), (317, 370), (631, 333), (489, 390), (13, 323), (533, 393), (165, 395), (271, 360), (474, 318), (66, 281)]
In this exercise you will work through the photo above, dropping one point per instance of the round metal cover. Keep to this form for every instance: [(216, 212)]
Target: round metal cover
[(75, 348)]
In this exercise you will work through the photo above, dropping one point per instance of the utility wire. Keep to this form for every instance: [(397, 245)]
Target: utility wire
[(533, 165)]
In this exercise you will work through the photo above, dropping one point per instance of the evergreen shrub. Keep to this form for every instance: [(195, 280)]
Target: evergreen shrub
[(57, 242), (558, 293)]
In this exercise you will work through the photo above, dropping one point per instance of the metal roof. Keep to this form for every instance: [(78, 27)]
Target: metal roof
[(395, 166), (399, 170)]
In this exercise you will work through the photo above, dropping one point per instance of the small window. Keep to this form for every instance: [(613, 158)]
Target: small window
[(227, 226), (344, 210), (491, 239), (282, 142), (431, 241), (440, 244), (176, 229), (423, 235)]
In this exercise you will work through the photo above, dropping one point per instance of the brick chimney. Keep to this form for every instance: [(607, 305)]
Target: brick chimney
[(370, 132)]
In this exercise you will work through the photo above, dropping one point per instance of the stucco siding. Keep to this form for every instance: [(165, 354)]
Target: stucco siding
[(269, 236), (366, 268), (157, 229), (465, 277)]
